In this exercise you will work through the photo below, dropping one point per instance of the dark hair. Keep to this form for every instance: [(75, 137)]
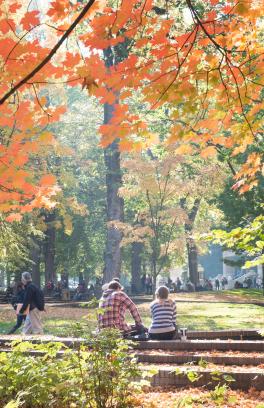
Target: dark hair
[(116, 279), (19, 286), (162, 292), (114, 285)]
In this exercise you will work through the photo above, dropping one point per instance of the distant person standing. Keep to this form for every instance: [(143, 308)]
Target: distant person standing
[(143, 282), (33, 298), (148, 285), (178, 284), (217, 284), (224, 282)]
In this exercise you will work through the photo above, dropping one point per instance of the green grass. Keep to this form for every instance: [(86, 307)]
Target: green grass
[(215, 316), (233, 295), (194, 316), (249, 294)]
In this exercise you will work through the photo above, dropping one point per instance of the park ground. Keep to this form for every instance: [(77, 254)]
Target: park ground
[(234, 309), (198, 398)]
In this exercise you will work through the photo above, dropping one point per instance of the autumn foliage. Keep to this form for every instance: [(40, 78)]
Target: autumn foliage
[(201, 62)]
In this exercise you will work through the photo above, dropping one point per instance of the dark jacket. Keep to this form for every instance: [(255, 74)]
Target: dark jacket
[(18, 298), (31, 297)]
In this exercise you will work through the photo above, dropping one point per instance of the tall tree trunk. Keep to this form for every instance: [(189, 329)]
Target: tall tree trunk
[(155, 271), (192, 252), (137, 249), (115, 205), (263, 279), (192, 261), (35, 257), (49, 248)]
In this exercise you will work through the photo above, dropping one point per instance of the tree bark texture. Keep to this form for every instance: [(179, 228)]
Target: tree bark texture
[(192, 261), (136, 253), (115, 204), (263, 279), (49, 248), (192, 252), (35, 257)]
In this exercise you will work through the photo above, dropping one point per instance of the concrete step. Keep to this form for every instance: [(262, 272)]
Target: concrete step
[(179, 376), (196, 357), (169, 345), (163, 360), (197, 345), (252, 334)]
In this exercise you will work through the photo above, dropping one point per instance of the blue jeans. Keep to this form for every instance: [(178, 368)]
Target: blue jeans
[(20, 320)]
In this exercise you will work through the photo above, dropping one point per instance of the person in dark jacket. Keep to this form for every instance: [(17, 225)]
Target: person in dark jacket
[(18, 298), (33, 322)]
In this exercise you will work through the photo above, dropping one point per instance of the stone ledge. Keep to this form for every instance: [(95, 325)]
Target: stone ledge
[(185, 358), (223, 345), (243, 380)]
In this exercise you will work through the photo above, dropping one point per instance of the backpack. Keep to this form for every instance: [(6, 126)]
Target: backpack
[(39, 299)]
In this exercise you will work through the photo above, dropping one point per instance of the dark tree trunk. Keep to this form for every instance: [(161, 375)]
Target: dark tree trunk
[(154, 279), (263, 278), (35, 257), (8, 278), (155, 272), (192, 261), (136, 253), (49, 248), (115, 205), (192, 252)]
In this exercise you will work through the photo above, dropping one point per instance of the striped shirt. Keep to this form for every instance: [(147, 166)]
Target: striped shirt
[(163, 314)]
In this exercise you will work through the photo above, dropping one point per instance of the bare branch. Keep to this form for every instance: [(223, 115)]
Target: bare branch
[(50, 55)]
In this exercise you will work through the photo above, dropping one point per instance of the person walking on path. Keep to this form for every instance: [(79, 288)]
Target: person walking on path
[(17, 300), (116, 303), (163, 312), (33, 298)]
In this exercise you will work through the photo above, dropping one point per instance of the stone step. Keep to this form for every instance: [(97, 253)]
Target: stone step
[(198, 345), (163, 363), (182, 358), (196, 358), (172, 345), (178, 376), (252, 334)]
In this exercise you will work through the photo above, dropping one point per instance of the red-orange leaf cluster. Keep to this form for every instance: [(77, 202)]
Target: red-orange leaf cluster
[(204, 68)]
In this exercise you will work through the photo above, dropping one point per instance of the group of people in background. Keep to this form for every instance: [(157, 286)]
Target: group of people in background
[(223, 283), (28, 303)]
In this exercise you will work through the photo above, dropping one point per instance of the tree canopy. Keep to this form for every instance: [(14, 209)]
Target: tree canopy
[(202, 61)]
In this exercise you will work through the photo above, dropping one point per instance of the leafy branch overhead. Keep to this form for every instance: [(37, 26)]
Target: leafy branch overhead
[(201, 61), (249, 240)]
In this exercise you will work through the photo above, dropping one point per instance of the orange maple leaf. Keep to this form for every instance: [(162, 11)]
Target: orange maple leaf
[(14, 217), (48, 180), (31, 19)]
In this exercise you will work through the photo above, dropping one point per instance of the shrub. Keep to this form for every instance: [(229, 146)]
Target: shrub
[(100, 374)]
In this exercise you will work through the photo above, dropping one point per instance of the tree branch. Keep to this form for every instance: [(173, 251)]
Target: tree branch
[(50, 55)]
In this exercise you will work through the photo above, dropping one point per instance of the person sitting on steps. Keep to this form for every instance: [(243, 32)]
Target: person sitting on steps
[(163, 312), (116, 303)]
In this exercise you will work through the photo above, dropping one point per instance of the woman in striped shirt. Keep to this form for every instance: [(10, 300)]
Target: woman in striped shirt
[(163, 312)]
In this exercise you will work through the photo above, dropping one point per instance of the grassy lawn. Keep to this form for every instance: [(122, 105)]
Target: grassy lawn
[(234, 295), (194, 316), (214, 316)]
